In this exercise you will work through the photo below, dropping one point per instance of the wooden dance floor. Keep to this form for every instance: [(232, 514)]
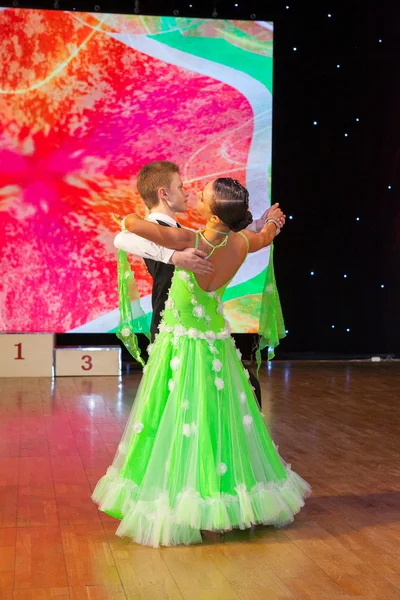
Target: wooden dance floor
[(338, 424)]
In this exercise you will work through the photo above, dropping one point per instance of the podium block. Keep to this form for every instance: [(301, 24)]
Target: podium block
[(26, 354), (88, 361)]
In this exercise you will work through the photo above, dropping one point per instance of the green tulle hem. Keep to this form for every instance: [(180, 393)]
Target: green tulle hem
[(154, 522)]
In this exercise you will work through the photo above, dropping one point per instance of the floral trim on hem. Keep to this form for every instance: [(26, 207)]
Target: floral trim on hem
[(156, 523)]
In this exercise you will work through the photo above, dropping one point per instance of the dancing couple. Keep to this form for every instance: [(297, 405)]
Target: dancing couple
[(196, 455)]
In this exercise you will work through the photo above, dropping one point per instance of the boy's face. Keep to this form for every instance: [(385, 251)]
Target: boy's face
[(177, 196)]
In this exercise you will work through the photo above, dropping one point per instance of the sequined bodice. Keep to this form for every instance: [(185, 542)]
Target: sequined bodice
[(193, 310)]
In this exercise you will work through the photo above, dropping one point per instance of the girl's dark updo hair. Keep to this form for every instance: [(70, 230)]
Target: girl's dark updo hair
[(231, 203)]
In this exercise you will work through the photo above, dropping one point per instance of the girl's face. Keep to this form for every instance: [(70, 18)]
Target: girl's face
[(204, 202)]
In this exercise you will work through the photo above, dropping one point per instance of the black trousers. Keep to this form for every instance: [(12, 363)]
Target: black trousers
[(257, 388)]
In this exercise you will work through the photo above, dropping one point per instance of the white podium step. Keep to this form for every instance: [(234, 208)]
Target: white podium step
[(26, 354), (82, 361)]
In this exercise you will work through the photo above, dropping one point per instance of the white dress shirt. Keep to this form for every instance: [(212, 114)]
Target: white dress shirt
[(134, 244), (130, 242)]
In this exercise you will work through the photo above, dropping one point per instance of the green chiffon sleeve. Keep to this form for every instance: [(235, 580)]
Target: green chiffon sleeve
[(131, 316), (272, 325)]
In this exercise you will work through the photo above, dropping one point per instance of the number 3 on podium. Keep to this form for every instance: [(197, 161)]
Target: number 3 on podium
[(88, 363)]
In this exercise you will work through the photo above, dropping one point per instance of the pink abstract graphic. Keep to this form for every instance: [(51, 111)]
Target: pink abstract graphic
[(80, 113)]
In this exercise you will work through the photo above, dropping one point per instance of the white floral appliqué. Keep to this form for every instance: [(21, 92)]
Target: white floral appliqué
[(193, 333), (247, 420), (242, 397), (137, 427), (126, 332), (188, 429), (216, 365), (171, 385), (219, 383), (183, 275), (185, 404), (239, 354), (179, 330), (175, 362), (169, 303), (221, 468), (220, 308), (199, 311), (223, 335), (150, 349), (270, 288)]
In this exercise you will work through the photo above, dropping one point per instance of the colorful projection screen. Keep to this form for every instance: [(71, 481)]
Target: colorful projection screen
[(85, 101)]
